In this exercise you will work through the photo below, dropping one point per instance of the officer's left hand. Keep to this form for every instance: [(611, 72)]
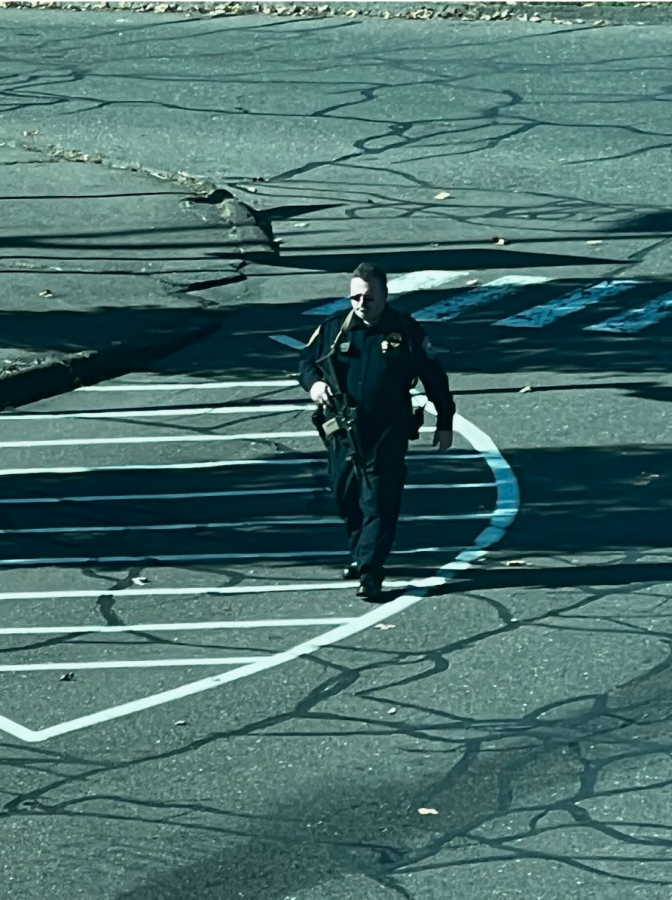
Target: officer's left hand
[(444, 439)]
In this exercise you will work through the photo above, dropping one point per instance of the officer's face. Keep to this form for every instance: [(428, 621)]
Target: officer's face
[(368, 300)]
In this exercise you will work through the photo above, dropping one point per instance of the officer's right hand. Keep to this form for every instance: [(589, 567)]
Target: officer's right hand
[(320, 393)]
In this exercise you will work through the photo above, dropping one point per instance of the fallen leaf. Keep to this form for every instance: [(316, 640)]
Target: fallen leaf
[(525, 390), (69, 676), (383, 626), (46, 294), (31, 133), (499, 240), (593, 242), (140, 580), (471, 282), (392, 710), (515, 562), (428, 811), (443, 195)]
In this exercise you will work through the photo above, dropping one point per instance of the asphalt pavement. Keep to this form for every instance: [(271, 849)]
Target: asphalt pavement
[(193, 705)]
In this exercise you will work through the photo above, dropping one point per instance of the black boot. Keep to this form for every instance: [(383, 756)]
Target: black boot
[(351, 573), (370, 587)]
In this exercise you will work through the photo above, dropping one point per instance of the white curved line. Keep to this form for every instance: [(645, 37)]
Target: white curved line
[(505, 511)]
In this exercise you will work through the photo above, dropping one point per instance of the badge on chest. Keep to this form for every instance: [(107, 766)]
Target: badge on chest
[(391, 342)]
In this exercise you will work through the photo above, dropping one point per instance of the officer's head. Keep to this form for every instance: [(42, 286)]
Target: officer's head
[(368, 292)]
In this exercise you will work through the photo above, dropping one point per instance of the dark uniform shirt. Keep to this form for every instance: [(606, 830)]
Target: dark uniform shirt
[(376, 366)]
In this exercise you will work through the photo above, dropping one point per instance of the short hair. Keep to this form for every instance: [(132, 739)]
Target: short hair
[(369, 272)]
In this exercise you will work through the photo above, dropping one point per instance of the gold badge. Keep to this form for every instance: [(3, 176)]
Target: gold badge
[(391, 342)]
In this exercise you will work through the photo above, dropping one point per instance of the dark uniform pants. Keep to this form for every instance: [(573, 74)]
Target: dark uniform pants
[(369, 505)]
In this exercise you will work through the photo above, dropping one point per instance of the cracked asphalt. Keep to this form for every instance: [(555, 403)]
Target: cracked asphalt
[(525, 705)]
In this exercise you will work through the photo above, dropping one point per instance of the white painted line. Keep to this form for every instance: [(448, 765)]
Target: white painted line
[(265, 492), (288, 341), (151, 386), (164, 413), (503, 515), (545, 314), (422, 281), (132, 664), (176, 626), (250, 437), (405, 284), (488, 293), (197, 495), (197, 557), (302, 521), (288, 588), (636, 319), (215, 464), (162, 439)]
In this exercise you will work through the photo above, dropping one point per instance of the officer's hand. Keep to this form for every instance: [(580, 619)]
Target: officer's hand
[(320, 393), (444, 439)]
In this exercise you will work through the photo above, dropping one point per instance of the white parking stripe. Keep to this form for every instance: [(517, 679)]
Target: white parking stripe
[(405, 284), (216, 464), (294, 587), (546, 313), (151, 386), (131, 664), (488, 293), (198, 557), (175, 626), (162, 439), (636, 319), (422, 281), (164, 412), (264, 492), (288, 341), (249, 523)]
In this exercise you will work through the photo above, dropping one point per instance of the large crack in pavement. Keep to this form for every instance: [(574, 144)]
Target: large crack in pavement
[(103, 262)]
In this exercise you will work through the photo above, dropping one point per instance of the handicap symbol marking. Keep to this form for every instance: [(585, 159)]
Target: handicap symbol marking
[(333, 629)]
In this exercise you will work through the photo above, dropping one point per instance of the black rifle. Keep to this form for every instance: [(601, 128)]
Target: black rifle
[(341, 418)]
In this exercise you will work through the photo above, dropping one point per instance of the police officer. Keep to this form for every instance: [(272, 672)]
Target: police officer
[(365, 362)]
